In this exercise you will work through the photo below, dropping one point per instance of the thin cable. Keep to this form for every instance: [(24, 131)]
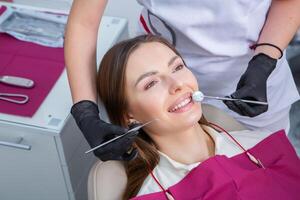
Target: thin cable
[(250, 156), (223, 130)]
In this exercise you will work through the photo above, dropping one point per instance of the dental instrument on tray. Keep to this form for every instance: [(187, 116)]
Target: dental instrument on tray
[(17, 81), (198, 96), (129, 131), (9, 97)]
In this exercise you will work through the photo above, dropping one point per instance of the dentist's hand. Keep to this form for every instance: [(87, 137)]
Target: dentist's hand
[(96, 131), (253, 86)]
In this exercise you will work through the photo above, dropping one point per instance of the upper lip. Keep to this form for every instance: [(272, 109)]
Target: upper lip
[(180, 99)]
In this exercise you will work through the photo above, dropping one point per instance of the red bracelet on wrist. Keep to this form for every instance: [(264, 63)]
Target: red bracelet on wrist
[(267, 44)]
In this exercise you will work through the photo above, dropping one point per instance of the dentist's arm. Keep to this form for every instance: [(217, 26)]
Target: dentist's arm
[(281, 25), (282, 22), (80, 47), (80, 58)]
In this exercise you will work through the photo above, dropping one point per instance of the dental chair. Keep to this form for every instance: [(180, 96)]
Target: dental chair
[(107, 180)]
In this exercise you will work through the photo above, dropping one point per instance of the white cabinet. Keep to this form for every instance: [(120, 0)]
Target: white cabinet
[(42, 158), (35, 173), (50, 166)]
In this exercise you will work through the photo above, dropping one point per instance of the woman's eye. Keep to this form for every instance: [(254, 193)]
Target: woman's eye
[(179, 67), (149, 85)]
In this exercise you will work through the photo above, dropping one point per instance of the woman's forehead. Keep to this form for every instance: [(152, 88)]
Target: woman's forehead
[(150, 54)]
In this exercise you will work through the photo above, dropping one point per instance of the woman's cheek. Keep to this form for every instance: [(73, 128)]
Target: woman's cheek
[(191, 79), (145, 107)]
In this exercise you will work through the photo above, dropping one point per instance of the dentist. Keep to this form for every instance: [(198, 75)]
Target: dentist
[(234, 48)]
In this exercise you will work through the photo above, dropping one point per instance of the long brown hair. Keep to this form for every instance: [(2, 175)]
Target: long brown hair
[(111, 89)]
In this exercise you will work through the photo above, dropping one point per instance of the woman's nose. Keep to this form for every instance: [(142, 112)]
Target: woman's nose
[(175, 85)]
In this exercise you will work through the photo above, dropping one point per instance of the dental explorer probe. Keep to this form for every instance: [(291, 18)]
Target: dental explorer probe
[(198, 96), (129, 131)]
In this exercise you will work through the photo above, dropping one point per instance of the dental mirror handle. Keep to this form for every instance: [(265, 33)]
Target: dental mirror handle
[(231, 99), (198, 96)]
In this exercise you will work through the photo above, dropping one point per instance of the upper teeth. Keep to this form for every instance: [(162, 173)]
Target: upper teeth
[(181, 104)]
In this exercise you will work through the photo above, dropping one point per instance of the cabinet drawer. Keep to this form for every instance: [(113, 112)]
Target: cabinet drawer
[(34, 173)]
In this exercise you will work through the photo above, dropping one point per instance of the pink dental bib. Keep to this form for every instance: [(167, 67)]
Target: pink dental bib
[(220, 177)]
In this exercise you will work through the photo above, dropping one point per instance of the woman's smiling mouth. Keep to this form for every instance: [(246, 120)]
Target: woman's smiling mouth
[(181, 104)]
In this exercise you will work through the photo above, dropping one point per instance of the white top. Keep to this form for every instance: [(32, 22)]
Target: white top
[(214, 38), (169, 172)]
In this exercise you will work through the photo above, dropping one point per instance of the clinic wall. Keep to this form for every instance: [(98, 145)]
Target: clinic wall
[(129, 9)]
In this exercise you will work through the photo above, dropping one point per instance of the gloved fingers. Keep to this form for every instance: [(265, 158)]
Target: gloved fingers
[(111, 153), (118, 130), (109, 156), (127, 141), (251, 111), (133, 125), (123, 142), (115, 149), (246, 110), (130, 155), (127, 156), (115, 130), (242, 93), (132, 135), (236, 107), (241, 82), (231, 105)]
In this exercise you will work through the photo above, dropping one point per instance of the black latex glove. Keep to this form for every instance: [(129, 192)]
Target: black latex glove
[(96, 131), (253, 86)]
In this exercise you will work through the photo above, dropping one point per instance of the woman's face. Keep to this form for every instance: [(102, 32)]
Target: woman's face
[(159, 85)]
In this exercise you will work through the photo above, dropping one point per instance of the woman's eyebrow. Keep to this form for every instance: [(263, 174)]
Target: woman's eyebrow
[(151, 73), (172, 60)]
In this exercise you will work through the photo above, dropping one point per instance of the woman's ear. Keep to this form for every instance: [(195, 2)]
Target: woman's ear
[(131, 119)]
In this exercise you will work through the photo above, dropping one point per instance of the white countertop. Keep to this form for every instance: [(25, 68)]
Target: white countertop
[(55, 109), (57, 6)]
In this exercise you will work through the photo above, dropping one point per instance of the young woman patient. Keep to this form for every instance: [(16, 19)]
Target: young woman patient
[(145, 78)]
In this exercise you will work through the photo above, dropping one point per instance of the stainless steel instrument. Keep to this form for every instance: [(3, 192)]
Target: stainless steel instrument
[(17, 81), (129, 131), (243, 100), (13, 98), (199, 96)]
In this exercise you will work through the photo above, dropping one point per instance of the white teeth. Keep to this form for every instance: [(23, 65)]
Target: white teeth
[(181, 104)]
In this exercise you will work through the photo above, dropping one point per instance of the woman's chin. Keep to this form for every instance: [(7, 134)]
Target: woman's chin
[(175, 122), (189, 118), (187, 122)]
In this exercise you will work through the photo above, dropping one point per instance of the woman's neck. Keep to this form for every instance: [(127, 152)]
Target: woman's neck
[(190, 146)]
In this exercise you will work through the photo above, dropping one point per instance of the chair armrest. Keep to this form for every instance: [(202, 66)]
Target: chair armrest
[(107, 181)]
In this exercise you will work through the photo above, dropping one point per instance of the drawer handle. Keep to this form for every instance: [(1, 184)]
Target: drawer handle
[(17, 144)]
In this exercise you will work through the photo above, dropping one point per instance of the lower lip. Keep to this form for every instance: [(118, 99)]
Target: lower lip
[(184, 108)]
